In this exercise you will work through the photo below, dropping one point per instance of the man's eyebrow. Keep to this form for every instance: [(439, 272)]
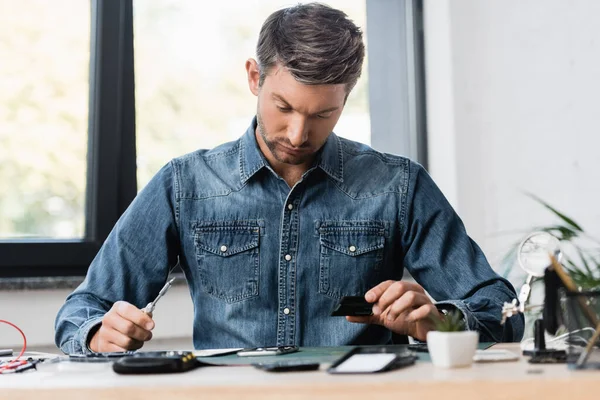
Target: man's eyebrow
[(330, 109), (280, 98)]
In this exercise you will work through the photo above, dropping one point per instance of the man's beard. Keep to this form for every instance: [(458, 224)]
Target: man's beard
[(272, 145)]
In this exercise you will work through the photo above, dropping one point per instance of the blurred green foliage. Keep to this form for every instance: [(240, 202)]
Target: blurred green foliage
[(581, 252), (454, 321)]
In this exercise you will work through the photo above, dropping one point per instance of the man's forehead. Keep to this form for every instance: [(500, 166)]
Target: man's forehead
[(283, 81)]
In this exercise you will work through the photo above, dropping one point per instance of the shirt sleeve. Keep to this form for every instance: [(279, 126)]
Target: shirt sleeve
[(450, 266), (132, 264)]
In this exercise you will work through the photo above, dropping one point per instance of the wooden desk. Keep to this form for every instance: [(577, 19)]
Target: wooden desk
[(508, 380)]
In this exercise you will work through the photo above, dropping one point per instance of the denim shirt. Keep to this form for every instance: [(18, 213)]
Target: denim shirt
[(266, 264)]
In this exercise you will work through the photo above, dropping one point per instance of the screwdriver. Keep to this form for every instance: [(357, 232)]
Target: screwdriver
[(150, 307)]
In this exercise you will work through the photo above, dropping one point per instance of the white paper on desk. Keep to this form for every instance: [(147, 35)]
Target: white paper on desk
[(214, 352)]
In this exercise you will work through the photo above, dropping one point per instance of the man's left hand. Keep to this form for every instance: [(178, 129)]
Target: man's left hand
[(402, 307)]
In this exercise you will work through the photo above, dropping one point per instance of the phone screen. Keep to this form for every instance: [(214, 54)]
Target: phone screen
[(365, 363)]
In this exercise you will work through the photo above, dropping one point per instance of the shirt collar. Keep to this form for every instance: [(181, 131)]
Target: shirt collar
[(252, 160), (331, 159)]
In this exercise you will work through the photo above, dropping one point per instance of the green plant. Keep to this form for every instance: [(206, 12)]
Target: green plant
[(453, 321)]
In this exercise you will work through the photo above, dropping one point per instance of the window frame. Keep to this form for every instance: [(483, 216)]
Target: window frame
[(397, 78), (397, 107)]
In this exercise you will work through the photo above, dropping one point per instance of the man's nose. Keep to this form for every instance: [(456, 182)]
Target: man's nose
[(298, 131)]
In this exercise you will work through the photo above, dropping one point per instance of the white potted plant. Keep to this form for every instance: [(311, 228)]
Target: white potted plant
[(450, 344)]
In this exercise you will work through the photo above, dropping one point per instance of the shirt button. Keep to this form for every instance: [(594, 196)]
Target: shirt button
[(288, 257), (352, 249), (286, 311), (223, 249), (290, 206)]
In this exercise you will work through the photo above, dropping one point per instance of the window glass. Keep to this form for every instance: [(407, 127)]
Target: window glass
[(191, 87), (44, 89)]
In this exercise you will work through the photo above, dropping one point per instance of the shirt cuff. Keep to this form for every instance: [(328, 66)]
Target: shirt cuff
[(81, 338)]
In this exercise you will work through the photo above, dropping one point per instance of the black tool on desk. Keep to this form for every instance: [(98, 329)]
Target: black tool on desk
[(354, 306), (156, 362), (540, 354), (419, 347), (288, 366)]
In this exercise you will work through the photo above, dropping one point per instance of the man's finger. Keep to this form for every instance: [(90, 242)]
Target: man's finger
[(422, 312), (375, 293), (130, 329), (122, 341), (406, 302), (112, 348), (101, 343), (134, 314), (395, 291)]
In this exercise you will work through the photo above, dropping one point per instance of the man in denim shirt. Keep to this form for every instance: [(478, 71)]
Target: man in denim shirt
[(273, 229)]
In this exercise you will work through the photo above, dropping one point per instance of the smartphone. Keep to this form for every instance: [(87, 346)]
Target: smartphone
[(363, 360), (288, 366), (267, 351), (354, 306)]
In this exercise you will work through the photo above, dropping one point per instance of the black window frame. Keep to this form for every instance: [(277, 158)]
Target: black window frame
[(111, 182)]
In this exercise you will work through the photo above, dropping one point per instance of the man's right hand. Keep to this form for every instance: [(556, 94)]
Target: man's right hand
[(124, 327)]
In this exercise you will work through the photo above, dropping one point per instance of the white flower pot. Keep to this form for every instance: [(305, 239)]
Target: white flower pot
[(452, 349)]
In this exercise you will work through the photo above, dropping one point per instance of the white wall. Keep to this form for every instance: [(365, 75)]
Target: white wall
[(34, 312), (512, 92)]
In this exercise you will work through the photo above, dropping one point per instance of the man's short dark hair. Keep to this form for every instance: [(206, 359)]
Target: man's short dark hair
[(316, 43)]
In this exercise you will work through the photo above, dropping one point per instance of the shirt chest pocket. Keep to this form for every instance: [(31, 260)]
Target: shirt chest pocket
[(229, 260), (351, 258)]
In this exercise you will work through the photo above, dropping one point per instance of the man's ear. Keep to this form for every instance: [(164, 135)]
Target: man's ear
[(253, 75)]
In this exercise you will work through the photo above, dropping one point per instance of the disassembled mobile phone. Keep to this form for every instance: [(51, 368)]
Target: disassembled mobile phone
[(288, 366), (267, 351), (354, 306), (367, 359), (100, 357)]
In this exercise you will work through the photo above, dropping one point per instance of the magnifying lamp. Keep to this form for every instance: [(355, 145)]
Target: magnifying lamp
[(533, 257)]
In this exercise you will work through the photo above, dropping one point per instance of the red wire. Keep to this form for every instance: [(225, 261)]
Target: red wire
[(10, 364)]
